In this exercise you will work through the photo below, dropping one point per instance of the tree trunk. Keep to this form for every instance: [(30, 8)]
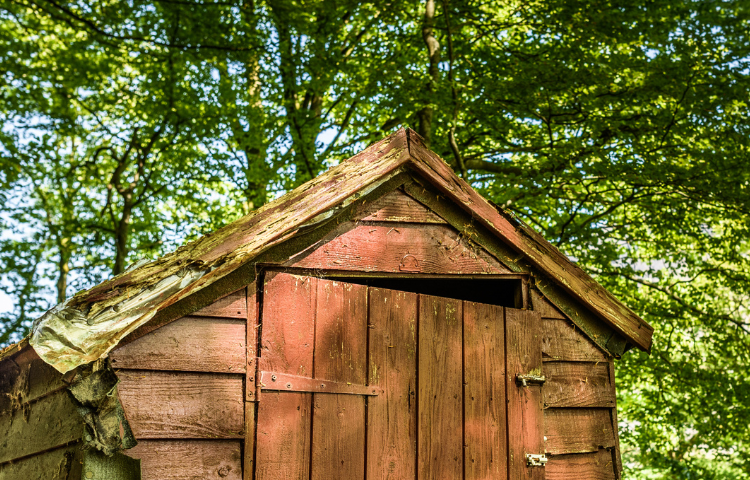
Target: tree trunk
[(433, 53)]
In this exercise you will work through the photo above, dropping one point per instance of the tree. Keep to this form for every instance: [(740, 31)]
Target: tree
[(617, 129)]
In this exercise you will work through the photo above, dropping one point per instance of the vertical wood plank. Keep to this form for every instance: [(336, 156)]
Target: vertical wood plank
[(251, 355), (248, 453), (484, 392), (251, 350), (440, 426), (287, 339), (338, 439), (392, 416), (525, 415), (615, 425)]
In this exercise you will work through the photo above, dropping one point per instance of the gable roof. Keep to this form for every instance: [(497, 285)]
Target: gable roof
[(87, 326)]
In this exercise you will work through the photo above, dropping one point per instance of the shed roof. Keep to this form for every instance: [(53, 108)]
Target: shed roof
[(87, 326)]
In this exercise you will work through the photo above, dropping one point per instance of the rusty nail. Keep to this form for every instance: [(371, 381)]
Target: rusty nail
[(273, 378)]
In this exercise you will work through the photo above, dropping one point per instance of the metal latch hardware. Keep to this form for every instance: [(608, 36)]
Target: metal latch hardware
[(525, 380), (536, 459)]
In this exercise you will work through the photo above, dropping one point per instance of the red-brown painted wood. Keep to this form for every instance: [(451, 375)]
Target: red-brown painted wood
[(615, 425), (188, 459), (251, 344), (525, 418), (577, 430), (486, 451), (545, 307), (233, 305), (400, 207), (338, 431), (182, 405), (399, 248), (440, 390), (288, 340), (193, 344), (392, 416), (531, 244), (248, 449), (572, 384), (563, 341), (586, 466)]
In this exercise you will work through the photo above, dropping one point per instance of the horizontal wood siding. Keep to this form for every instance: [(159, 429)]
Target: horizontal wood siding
[(399, 207), (577, 430), (50, 422), (562, 340), (190, 459), (233, 305), (182, 405), (24, 378), (579, 398), (197, 344), (588, 466), (399, 248), (571, 384), (182, 387), (50, 465)]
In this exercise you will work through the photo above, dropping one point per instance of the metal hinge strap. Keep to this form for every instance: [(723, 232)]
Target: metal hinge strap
[(292, 383)]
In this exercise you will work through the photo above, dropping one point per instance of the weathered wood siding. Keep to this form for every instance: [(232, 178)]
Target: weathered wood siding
[(580, 420), (39, 422), (183, 390)]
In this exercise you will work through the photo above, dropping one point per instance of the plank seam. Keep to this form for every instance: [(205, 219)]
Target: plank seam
[(41, 452)]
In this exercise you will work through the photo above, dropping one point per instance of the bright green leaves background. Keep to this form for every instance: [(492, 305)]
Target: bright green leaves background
[(619, 130)]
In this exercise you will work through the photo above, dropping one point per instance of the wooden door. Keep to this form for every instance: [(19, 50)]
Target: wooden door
[(367, 383)]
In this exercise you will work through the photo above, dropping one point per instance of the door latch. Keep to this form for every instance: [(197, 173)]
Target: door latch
[(536, 459), (526, 380)]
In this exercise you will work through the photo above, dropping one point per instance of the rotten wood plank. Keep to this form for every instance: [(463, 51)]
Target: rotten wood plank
[(577, 430), (25, 378), (392, 416), (50, 422), (398, 248), (572, 384), (399, 207), (587, 466), (485, 441), (530, 243), (338, 432), (191, 344), (55, 464), (525, 417), (546, 308), (233, 305), (188, 459), (182, 405), (287, 340), (440, 391), (564, 341)]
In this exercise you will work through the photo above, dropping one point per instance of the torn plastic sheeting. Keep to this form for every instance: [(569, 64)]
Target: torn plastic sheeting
[(65, 338), (95, 389)]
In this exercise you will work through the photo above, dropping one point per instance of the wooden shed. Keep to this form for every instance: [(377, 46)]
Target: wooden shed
[(382, 321)]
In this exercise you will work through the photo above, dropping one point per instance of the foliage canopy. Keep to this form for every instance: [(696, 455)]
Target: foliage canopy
[(620, 130)]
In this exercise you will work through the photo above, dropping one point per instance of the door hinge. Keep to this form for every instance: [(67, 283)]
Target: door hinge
[(526, 380), (536, 459)]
